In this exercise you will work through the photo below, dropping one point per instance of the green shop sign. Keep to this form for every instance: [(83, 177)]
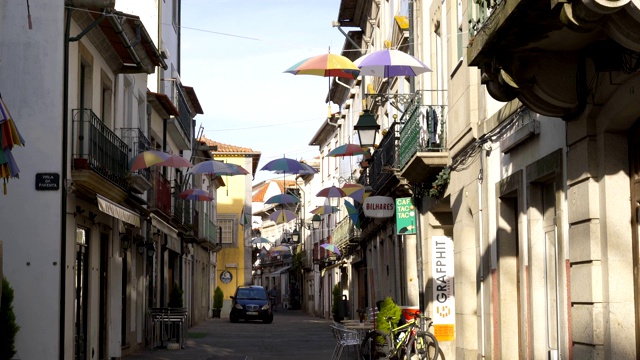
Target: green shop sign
[(405, 216)]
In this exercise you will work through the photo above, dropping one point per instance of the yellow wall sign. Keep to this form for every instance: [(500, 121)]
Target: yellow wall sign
[(444, 314)]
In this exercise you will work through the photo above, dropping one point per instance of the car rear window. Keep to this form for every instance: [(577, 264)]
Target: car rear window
[(251, 294)]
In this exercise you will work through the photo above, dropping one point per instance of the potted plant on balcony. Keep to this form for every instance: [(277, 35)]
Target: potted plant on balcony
[(218, 297)]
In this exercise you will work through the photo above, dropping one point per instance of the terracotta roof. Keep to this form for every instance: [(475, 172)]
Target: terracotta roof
[(284, 183), (259, 195), (225, 148)]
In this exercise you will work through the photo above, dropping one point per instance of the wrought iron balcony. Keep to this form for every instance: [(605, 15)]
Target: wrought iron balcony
[(345, 234), (422, 142), (536, 51), (160, 193), (384, 161), (138, 142), (97, 148), (180, 127)]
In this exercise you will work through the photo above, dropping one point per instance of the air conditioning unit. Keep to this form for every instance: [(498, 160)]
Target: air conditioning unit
[(164, 52)]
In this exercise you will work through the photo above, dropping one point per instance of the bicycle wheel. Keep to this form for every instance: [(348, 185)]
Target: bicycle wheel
[(375, 345), (424, 346)]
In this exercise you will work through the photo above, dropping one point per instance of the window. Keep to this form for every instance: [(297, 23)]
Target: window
[(228, 229)]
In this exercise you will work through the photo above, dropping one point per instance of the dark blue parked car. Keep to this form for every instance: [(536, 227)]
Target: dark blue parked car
[(250, 303)]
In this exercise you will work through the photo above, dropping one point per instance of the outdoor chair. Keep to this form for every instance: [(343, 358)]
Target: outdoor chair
[(345, 338)]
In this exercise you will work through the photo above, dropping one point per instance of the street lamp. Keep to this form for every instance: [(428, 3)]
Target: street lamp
[(295, 235), (367, 128), (316, 220)]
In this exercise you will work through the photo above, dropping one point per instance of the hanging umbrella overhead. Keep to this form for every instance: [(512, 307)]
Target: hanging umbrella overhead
[(331, 247), (280, 248), (326, 65), (354, 191), (282, 216), (260, 240), (347, 150), (353, 213), (147, 158), (176, 161), (390, 63), (218, 168), (195, 194), (309, 170), (331, 192), (282, 199), (9, 137), (325, 209), (285, 166)]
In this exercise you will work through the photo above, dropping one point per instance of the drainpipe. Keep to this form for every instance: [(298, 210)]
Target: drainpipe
[(481, 245), (412, 80), (84, 4), (418, 207)]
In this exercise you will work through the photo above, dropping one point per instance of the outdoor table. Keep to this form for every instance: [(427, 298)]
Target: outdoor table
[(361, 328)]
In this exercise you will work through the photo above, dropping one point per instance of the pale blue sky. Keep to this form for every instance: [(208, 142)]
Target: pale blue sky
[(247, 99)]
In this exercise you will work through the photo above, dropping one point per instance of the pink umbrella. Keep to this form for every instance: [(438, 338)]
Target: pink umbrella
[(331, 192), (147, 158), (175, 161), (347, 150), (195, 194)]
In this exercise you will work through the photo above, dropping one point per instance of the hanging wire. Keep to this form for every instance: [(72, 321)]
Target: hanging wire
[(29, 16)]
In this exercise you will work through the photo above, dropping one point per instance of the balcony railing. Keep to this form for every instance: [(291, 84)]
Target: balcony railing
[(385, 159), (160, 193), (137, 142), (211, 230), (422, 131), (177, 96), (182, 210), (345, 233), (98, 148)]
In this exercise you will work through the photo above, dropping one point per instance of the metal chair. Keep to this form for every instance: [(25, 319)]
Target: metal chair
[(345, 338)]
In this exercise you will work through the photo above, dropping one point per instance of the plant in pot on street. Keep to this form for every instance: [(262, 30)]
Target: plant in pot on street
[(8, 326), (175, 298), (336, 303), (218, 297)]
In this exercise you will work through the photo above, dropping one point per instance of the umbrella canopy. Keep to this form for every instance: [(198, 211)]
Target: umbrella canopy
[(354, 191), (331, 192), (9, 137), (282, 199), (147, 158), (326, 65), (331, 247), (347, 150), (176, 161), (390, 63), (260, 240), (195, 194), (353, 213), (285, 165), (282, 216), (218, 168), (325, 209), (309, 170), (280, 248)]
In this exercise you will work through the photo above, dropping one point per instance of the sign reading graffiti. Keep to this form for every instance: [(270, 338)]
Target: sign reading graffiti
[(443, 299)]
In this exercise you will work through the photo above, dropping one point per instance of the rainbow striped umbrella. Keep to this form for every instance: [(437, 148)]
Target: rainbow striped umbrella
[(326, 65)]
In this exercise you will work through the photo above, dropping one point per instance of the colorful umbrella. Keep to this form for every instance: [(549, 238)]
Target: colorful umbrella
[(280, 248), (260, 240), (331, 192), (282, 199), (175, 161), (353, 213), (218, 168), (331, 247), (326, 65), (285, 166), (390, 63), (9, 137), (347, 150), (282, 216), (309, 170), (325, 209), (354, 191), (147, 158), (195, 194)]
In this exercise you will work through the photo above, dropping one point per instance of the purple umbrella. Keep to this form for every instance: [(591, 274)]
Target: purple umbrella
[(347, 150), (282, 199), (331, 247), (285, 165), (390, 63), (218, 168), (331, 192), (282, 216), (195, 194)]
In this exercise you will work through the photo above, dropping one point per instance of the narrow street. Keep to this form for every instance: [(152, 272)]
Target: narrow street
[(292, 335)]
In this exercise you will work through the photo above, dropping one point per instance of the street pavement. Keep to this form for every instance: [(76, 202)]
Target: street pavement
[(292, 335)]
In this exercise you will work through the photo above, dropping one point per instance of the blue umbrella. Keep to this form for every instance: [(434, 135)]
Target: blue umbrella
[(282, 199), (285, 165), (353, 213)]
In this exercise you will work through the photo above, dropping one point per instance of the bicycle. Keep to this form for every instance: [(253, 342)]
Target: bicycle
[(406, 342)]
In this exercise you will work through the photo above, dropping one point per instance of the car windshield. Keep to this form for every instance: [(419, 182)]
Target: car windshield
[(251, 294)]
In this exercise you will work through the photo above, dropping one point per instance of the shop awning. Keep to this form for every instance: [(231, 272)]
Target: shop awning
[(117, 211), (281, 270)]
